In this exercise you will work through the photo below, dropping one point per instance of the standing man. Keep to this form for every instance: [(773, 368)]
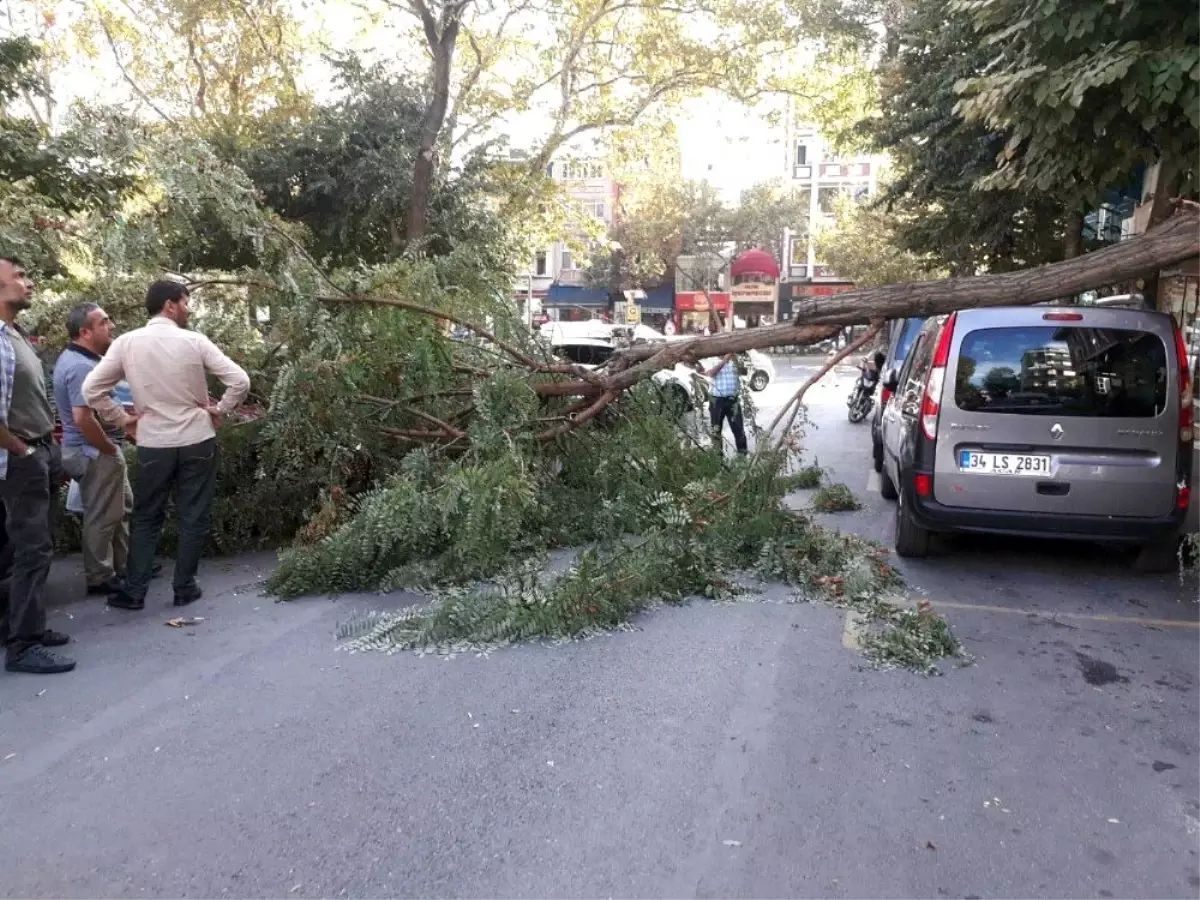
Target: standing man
[(92, 455), (726, 403), (165, 365), (30, 475)]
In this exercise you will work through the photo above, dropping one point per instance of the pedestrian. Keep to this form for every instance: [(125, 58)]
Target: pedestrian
[(165, 365), (30, 475), (92, 455), (725, 403), (669, 328)]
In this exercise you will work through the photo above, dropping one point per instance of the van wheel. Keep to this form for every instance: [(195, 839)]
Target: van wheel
[(759, 381), (887, 487), (1158, 558), (877, 455), (912, 541)]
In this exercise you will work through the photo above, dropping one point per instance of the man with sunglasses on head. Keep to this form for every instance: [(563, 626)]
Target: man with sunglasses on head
[(167, 366)]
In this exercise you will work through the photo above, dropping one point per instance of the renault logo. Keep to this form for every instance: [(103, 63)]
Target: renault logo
[(1056, 431)]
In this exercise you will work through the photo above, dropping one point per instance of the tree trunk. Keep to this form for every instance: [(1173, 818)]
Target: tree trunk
[(441, 40), (1167, 186), (816, 318), (1073, 234)]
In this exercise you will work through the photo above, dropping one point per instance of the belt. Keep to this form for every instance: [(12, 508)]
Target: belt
[(44, 441)]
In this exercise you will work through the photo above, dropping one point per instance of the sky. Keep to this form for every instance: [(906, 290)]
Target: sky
[(721, 141)]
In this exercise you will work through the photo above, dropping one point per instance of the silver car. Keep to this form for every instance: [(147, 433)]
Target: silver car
[(1064, 422)]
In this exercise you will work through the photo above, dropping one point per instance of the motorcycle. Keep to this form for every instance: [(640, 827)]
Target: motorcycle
[(862, 398)]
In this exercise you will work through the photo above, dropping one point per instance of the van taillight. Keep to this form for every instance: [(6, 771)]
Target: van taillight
[(1063, 317), (1187, 413), (931, 403), (923, 484), (1183, 497)]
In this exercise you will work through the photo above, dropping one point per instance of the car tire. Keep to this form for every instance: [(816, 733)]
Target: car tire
[(1158, 558), (912, 541), (877, 456), (759, 381), (887, 487)]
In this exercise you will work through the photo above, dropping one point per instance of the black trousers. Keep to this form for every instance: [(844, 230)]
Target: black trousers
[(727, 408), (190, 473), (29, 495)]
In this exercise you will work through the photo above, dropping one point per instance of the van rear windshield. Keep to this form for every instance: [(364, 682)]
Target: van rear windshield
[(1062, 371)]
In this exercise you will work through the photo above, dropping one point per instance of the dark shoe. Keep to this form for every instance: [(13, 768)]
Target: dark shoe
[(52, 638), (155, 571), (37, 660), (188, 598), (122, 600), (112, 586)]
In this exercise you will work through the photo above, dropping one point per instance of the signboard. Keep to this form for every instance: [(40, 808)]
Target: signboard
[(633, 314), (752, 292)]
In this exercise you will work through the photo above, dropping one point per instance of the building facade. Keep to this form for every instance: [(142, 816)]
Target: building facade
[(823, 176), (553, 283)]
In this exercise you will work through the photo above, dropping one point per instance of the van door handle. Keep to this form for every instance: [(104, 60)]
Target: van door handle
[(1053, 488)]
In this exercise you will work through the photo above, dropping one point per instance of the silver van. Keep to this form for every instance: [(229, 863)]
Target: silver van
[(1064, 422)]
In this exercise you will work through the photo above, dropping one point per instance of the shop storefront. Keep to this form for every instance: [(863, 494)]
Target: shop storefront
[(755, 277), (692, 310), (570, 303), (753, 304), (658, 307)]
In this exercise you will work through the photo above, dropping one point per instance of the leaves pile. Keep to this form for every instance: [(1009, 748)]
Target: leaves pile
[(658, 515)]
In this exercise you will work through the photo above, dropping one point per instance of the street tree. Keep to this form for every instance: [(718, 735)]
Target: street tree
[(1087, 91), (866, 245), (219, 66), (939, 160)]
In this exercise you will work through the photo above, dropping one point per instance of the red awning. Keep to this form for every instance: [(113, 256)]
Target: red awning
[(755, 262)]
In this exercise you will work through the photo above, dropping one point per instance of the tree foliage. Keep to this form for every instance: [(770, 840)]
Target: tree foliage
[(939, 160), (1086, 91), (866, 245)]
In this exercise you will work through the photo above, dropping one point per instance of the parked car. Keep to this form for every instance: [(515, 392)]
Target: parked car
[(901, 333), (759, 368), (1057, 422)]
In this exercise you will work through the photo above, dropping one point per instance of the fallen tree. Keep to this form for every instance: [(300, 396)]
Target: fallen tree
[(485, 454), (814, 320)]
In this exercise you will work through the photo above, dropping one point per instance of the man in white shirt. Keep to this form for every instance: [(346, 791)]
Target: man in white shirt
[(166, 367)]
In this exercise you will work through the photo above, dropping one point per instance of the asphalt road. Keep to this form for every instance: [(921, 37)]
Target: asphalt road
[(715, 750)]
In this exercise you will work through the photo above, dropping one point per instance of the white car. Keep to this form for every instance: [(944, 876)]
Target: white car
[(756, 367), (589, 345)]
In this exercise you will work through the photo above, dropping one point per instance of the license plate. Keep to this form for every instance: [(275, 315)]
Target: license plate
[(1003, 463)]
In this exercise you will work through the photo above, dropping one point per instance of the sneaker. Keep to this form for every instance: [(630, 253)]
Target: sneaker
[(37, 660), (122, 600), (52, 638), (189, 597)]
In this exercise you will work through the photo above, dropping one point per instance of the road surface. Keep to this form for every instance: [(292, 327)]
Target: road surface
[(716, 750)]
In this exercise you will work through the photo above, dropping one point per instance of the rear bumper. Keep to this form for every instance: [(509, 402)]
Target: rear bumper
[(934, 516)]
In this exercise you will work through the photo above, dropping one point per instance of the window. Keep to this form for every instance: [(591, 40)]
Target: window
[(801, 155), (585, 354), (799, 251), (827, 199), (909, 329), (1071, 371), (566, 261), (539, 263), (597, 209)]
